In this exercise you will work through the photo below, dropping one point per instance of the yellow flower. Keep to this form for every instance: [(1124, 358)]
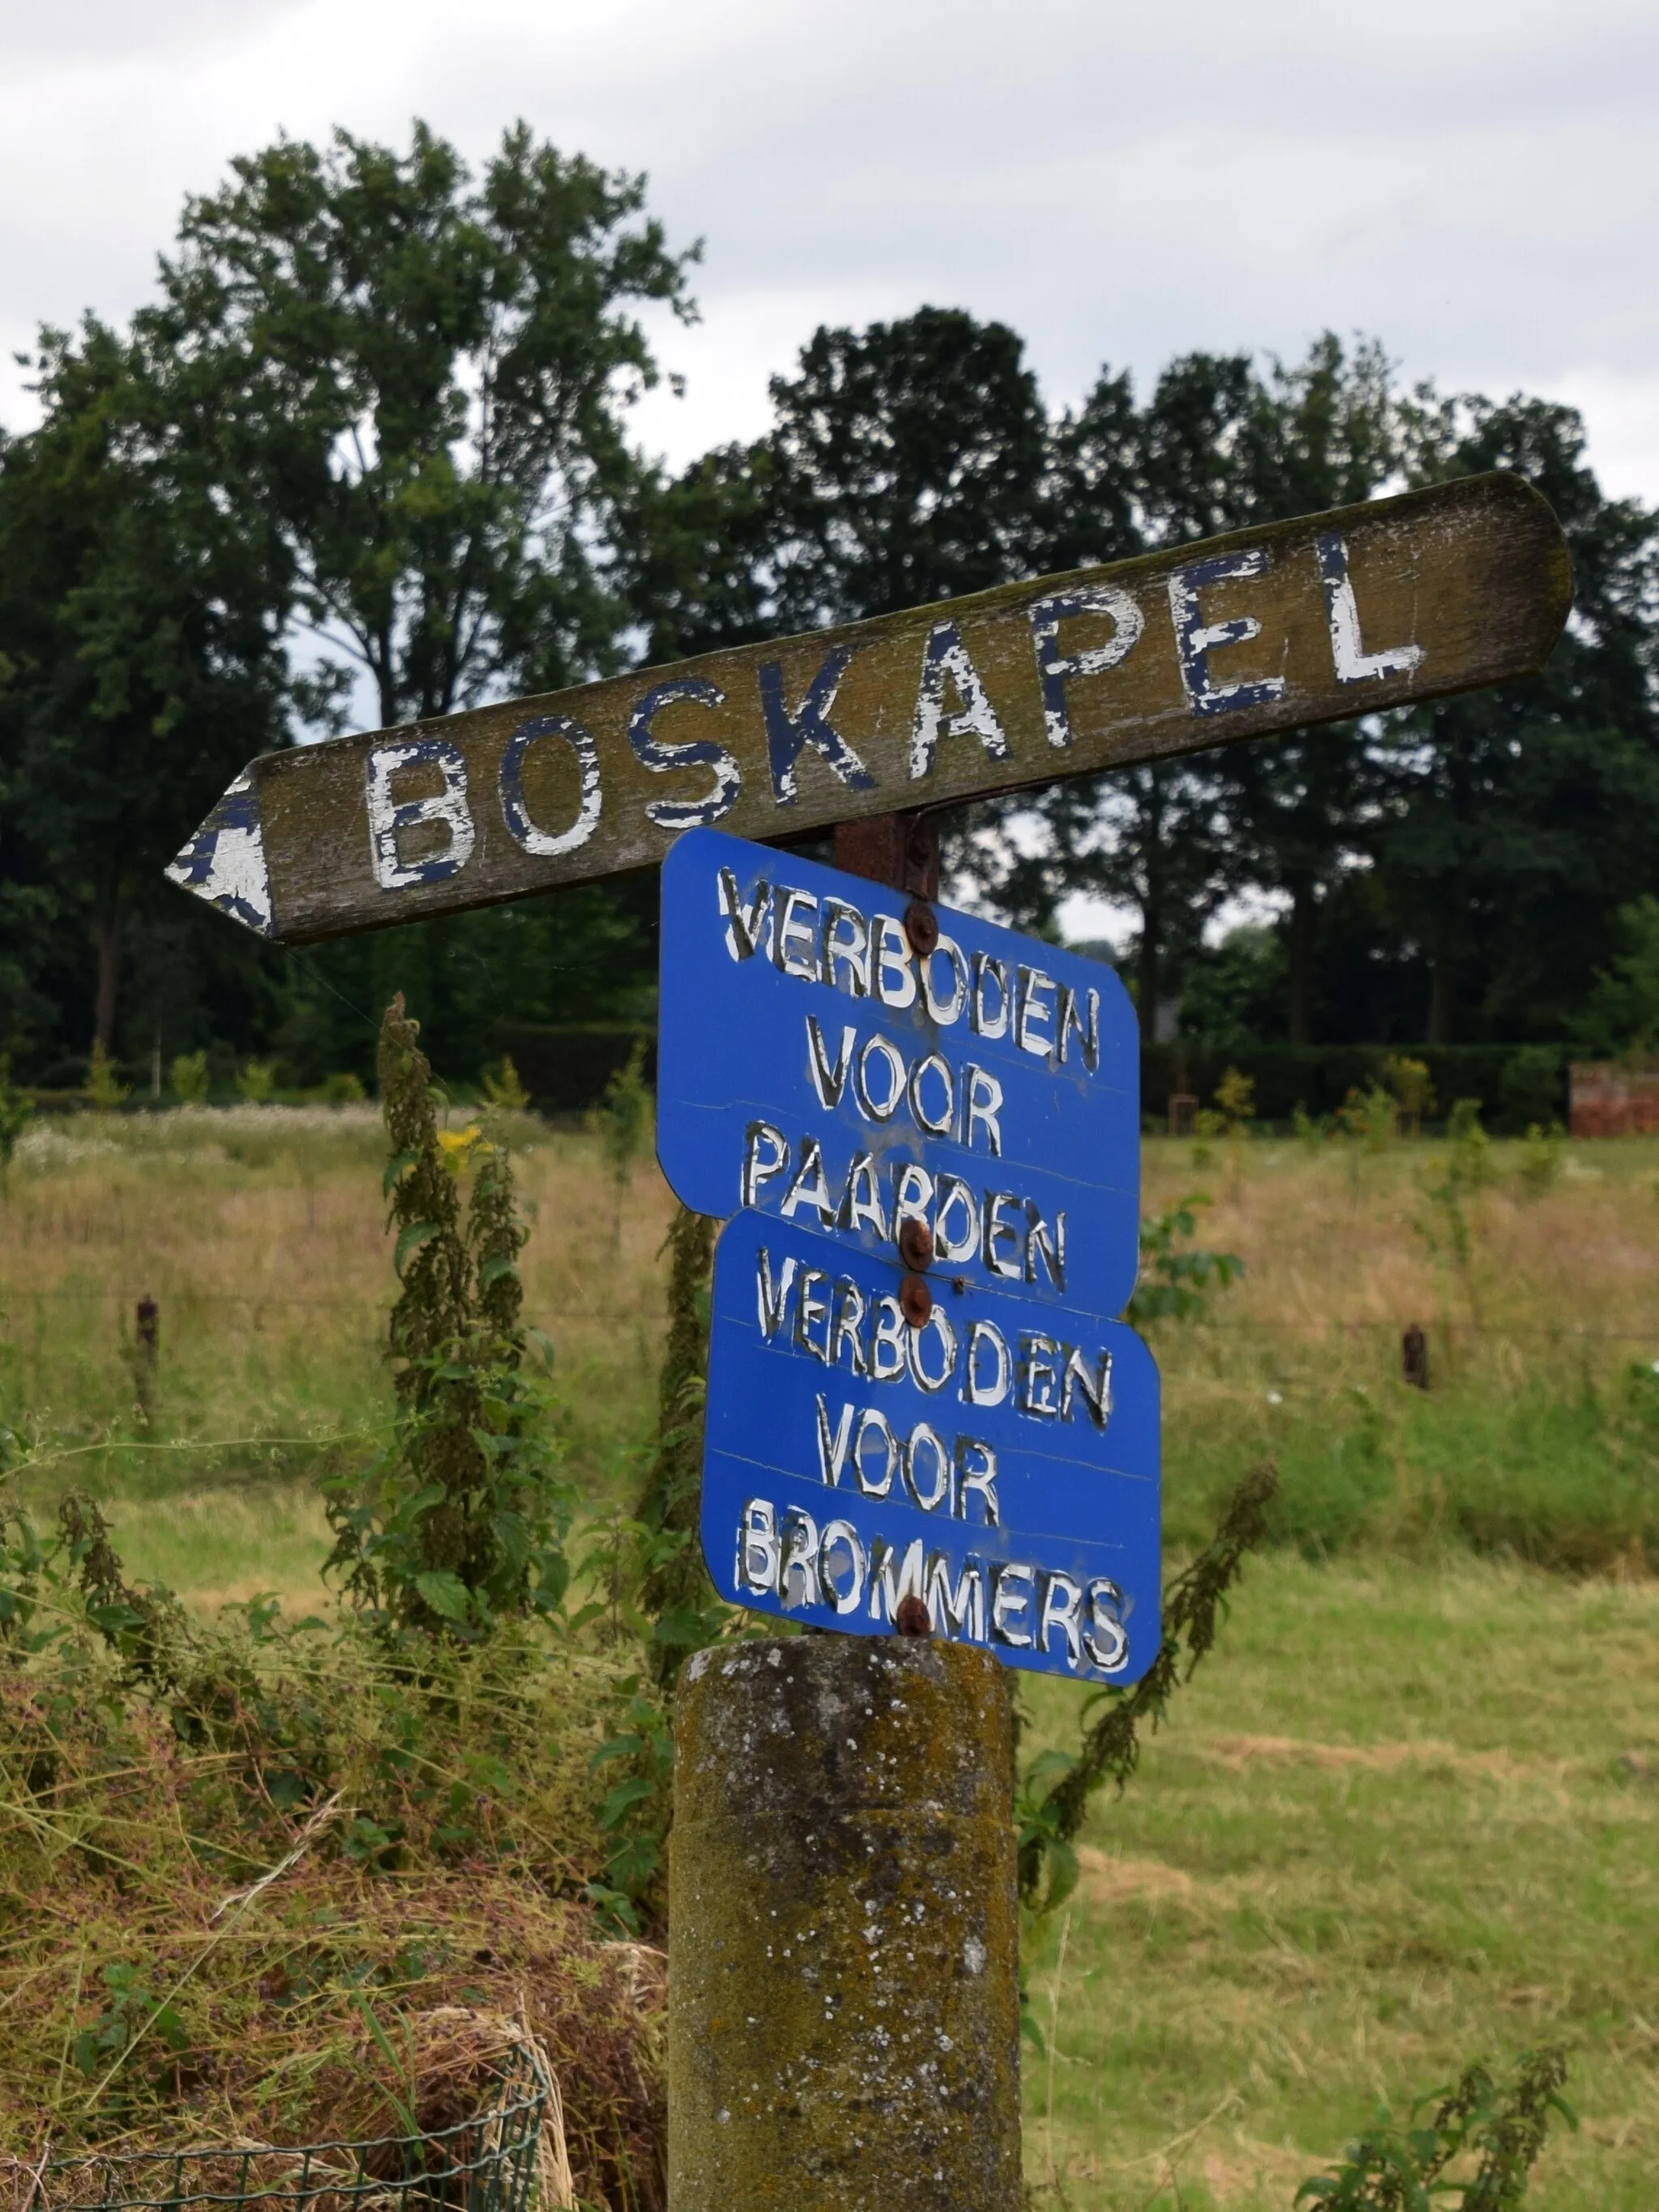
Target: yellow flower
[(457, 1145)]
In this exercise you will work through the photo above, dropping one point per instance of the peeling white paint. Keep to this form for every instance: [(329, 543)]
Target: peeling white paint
[(224, 863), (1353, 664), (946, 659)]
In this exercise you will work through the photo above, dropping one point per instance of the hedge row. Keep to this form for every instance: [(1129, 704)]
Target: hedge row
[(565, 1070), (1515, 1084)]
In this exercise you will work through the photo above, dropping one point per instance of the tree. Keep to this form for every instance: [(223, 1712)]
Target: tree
[(1520, 817), (420, 378), (1322, 433), (140, 636), (1147, 837), (906, 462), (1217, 446), (1622, 1012), (375, 398)]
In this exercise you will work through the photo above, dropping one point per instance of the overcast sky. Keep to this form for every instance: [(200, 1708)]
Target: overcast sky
[(1475, 182)]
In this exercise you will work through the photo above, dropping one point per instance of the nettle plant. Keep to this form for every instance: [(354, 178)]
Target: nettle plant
[(462, 1520), (1469, 2148), (1177, 1276)]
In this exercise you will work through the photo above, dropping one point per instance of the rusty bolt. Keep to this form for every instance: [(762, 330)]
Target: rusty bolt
[(916, 1301), (913, 1618), (921, 928), (915, 1243)]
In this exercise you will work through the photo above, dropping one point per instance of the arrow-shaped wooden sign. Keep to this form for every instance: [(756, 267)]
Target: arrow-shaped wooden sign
[(1320, 619)]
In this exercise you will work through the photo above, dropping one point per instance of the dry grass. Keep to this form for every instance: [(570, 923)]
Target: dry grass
[(196, 1949), (1341, 1244), (260, 1232)]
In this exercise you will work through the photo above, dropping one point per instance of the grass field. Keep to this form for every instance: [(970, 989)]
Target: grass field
[(1412, 1817), (1408, 1813)]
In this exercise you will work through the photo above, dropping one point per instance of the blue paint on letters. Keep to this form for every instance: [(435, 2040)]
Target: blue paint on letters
[(661, 756), (224, 861), (1353, 663), (811, 1067), (1002, 1461), (1056, 669), (809, 724), (1195, 640), (388, 819), (946, 659), (516, 814)]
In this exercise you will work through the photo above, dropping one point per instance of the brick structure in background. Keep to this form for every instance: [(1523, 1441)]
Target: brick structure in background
[(1611, 1101)]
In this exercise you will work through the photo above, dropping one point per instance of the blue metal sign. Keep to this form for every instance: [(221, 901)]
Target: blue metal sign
[(812, 1066), (1000, 1463)]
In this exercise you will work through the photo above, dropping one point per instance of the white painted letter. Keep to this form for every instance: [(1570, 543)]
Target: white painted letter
[(1352, 663), (1055, 669), (388, 819), (945, 656), (1195, 640)]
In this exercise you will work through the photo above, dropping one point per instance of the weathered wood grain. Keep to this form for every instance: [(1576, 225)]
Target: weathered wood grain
[(1320, 619)]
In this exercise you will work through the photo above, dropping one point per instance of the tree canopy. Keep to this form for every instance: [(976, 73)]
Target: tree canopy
[(368, 452)]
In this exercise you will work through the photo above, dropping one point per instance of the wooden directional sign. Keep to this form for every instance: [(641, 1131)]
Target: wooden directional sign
[(1316, 620)]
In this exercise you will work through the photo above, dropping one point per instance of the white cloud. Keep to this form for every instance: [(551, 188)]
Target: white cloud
[(1471, 182)]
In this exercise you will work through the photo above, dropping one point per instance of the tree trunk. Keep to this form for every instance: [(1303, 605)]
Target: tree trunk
[(1442, 997), (1304, 926), (107, 937), (1146, 974)]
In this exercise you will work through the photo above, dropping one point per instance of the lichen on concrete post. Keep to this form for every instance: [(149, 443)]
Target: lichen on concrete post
[(843, 2028)]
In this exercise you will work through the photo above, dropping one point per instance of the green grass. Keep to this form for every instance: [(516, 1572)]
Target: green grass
[(1406, 1814), (1540, 1436), (225, 1545)]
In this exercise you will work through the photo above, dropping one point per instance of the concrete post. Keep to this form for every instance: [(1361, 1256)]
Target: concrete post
[(843, 2005)]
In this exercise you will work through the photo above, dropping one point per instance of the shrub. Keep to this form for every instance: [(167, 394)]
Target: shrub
[(15, 1114), (1471, 1166), (1542, 1157), (104, 1090), (189, 1078), (675, 1592), (1370, 1117), (1312, 1131), (1175, 1277), (502, 1089), (1621, 1014), (1531, 1087), (255, 1081), (1408, 1080), (622, 1122), (1235, 1097)]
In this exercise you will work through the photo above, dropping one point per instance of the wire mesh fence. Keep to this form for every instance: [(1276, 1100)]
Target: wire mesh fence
[(490, 2161)]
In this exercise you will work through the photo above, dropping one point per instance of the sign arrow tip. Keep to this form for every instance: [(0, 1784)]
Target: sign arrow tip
[(224, 862)]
